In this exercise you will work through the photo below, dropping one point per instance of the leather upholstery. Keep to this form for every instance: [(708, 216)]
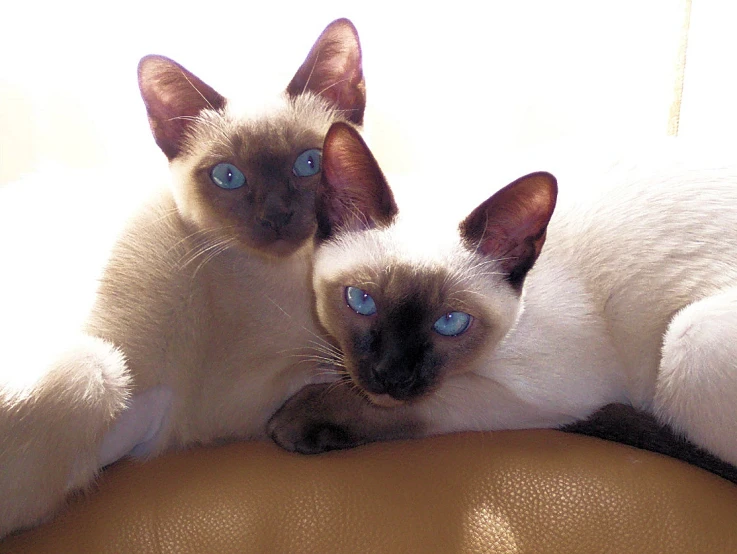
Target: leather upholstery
[(504, 492)]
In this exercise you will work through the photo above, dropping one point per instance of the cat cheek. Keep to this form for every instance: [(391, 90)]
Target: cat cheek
[(464, 350)]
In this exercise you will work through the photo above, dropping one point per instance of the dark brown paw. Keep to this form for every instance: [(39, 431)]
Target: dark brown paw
[(307, 424), (311, 437)]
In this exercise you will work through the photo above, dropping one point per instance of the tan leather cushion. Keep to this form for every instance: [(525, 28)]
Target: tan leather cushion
[(515, 491)]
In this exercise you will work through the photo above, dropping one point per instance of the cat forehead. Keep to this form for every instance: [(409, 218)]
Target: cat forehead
[(389, 262), (416, 239), (280, 127), (402, 261)]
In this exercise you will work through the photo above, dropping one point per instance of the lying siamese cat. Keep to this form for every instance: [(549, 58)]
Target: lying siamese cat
[(525, 315), (203, 324)]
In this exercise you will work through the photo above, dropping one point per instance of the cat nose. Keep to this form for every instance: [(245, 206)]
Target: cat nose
[(277, 220), (397, 384)]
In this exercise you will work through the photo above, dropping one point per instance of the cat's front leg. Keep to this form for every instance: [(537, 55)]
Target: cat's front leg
[(334, 416), (696, 387), (51, 427)]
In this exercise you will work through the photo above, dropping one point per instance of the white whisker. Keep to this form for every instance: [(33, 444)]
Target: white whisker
[(320, 93)]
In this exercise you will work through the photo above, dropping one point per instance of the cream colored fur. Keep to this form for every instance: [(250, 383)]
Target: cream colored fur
[(229, 338), (633, 300), (199, 332)]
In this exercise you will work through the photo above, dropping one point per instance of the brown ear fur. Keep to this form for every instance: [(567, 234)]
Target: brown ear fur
[(173, 97), (334, 71), (511, 225), (353, 192)]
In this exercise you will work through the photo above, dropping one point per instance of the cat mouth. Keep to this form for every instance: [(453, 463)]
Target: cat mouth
[(276, 245), (280, 242)]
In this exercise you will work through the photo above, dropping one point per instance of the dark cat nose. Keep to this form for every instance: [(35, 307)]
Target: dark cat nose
[(277, 220), (392, 381)]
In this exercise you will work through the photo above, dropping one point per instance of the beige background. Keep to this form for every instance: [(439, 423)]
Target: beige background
[(470, 85)]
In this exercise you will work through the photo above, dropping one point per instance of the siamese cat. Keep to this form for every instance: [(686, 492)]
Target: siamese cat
[(203, 324), (446, 327)]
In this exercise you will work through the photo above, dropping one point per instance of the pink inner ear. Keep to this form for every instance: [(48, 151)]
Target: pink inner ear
[(173, 96), (333, 70), (354, 193), (510, 226)]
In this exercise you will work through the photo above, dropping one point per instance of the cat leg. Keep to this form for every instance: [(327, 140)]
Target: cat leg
[(333, 416), (696, 387), (50, 430)]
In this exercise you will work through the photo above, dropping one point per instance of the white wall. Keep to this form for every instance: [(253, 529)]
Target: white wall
[(462, 82), (709, 110)]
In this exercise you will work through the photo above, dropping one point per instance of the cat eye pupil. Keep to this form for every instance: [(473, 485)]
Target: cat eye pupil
[(307, 163), (227, 176), (360, 301), (452, 324)]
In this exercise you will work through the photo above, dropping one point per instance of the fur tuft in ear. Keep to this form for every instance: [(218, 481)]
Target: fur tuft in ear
[(353, 192), (511, 225), (173, 96), (334, 71)]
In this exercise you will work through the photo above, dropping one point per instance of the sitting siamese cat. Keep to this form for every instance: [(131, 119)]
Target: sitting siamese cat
[(203, 324)]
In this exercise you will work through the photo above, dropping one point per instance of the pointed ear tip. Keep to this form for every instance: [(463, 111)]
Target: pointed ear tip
[(547, 180), (551, 178), (544, 175), (343, 23), (152, 58), (340, 129), (144, 62), (151, 62), (344, 28)]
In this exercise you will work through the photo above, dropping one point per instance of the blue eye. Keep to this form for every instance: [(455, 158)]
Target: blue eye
[(307, 163), (452, 324), (360, 301), (227, 176)]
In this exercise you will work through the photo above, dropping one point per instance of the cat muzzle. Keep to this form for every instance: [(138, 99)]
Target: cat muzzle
[(386, 386), (276, 222)]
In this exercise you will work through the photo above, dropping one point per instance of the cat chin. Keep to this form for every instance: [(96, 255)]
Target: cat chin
[(384, 400)]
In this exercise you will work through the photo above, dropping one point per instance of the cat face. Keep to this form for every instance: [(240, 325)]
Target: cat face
[(402, 331), (407, 316), (255, 180), (250, 180)]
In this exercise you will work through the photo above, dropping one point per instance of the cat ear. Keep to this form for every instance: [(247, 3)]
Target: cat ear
[(333, 70), (353, 193), (510, 226), (173, 97)]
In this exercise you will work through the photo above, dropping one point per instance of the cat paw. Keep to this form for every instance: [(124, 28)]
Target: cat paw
[(303, 425), (310, 437)]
